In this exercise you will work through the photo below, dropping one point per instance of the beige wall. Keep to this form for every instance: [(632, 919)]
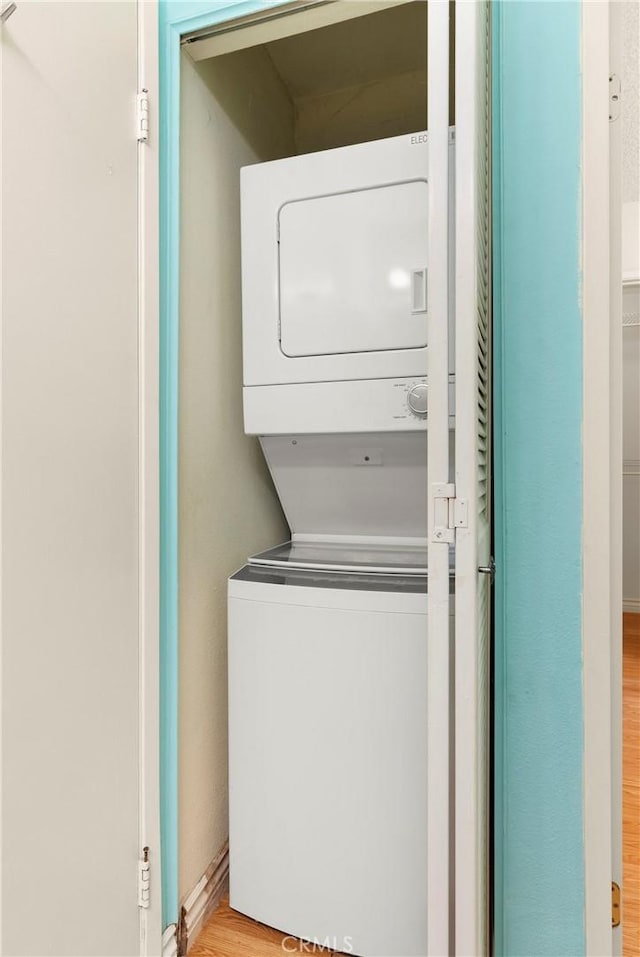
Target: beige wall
[(235, 111), (387, 107), (360, 80)]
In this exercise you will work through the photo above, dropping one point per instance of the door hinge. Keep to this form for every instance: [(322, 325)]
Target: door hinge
[(142, 116), (615, 904), (489, 569), (615, 97), (449, 513), (144, 879)]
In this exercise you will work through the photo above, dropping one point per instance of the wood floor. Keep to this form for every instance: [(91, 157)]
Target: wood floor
[(631, 787), (229, 934)]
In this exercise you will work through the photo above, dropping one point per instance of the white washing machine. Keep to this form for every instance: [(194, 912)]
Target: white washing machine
[(328, 755), (328, 632), (328, 699)]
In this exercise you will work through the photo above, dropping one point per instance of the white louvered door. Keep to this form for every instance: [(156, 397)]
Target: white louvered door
[(439, 536), (472, 476)]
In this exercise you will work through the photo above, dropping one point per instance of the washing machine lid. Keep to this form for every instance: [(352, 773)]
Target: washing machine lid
[(374, 557), (353, 271), (343, 581)]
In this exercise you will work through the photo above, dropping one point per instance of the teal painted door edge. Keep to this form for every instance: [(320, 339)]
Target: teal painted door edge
[(176, 18), (539, 891)]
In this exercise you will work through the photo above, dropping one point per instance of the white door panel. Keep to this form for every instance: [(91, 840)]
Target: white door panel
[(472, 477), (438, 664), (69, 480)]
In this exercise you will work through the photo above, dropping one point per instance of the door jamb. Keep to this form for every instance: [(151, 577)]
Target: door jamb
[(149, 483), (616, 460), (601, 521)]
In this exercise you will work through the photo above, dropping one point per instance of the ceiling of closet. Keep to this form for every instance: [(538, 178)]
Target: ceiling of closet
[(354, 53), (359, 80), (363, 78)]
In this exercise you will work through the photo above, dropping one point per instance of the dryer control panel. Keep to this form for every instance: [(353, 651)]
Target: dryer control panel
[(417, 399), (363, 405)]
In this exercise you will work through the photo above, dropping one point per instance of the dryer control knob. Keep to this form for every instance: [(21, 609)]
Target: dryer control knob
[(417, 399)]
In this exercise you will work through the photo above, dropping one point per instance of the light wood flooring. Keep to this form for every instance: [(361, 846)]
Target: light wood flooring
[(631, 787), (229, 934)]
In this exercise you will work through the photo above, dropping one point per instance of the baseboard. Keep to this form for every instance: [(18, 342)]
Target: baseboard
[(170, 941), (631, 605), (203, 900)]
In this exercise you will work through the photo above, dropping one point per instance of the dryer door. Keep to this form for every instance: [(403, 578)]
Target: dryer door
[(353, 271)]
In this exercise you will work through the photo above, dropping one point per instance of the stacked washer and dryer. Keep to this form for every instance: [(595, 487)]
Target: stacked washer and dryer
[(328, 631)]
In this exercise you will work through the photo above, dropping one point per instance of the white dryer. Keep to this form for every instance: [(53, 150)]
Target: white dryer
[(335, 289)]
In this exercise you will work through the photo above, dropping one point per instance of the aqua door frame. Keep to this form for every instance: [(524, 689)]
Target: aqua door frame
[(539, 842), (176, 19)]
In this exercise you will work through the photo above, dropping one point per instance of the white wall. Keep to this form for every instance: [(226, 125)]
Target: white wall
[(69, 374), (235, 111)]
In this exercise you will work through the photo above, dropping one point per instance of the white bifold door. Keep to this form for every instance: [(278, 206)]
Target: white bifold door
[(71, 539), (473, 477), (459, 515)]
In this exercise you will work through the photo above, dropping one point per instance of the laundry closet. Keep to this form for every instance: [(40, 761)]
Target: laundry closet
[(310, 289), (136, 444)]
